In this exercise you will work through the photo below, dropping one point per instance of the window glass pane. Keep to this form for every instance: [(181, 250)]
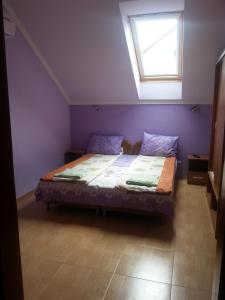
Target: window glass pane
[(158, 45)]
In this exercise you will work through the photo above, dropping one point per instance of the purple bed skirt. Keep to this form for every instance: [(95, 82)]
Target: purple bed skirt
[(64, 192)]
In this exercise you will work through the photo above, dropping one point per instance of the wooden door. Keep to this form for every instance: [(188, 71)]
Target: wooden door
[(10, 264), (218, 166), (219, 130), (218, 292)]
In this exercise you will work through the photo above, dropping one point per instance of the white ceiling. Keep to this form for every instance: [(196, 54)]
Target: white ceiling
[(84, 44)]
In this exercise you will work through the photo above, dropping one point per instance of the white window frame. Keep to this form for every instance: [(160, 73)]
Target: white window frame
[(143, 77)]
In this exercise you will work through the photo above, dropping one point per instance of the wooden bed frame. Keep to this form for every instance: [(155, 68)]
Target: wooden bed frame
[(132, 149)]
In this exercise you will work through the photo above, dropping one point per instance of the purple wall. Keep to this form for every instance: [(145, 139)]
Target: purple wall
[(40, 118), (193, 128), (85, 44)]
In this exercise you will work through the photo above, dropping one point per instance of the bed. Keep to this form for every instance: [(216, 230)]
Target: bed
[(107, 190)]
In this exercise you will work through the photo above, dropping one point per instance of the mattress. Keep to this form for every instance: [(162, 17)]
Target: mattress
[(102, 191)]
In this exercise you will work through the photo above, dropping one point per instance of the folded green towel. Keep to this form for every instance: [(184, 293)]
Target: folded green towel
[(70, 173), (151, 181)]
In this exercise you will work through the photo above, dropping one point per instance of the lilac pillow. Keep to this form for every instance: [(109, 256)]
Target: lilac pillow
[(159, 145), (105, 144)]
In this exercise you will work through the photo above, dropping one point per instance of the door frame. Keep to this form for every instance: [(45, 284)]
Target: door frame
[(218, 290), (11, 286)]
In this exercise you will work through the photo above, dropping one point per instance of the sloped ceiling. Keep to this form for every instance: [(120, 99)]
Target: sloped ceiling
[(83, 42)]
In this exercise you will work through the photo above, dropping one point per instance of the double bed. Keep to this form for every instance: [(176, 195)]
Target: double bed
[(107, 188)]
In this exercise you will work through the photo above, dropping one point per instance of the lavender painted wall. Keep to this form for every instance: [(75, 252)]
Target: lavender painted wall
[(193, 128), (84, 43), (40, 118)]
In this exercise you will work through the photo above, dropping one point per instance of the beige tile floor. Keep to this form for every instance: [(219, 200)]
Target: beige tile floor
[(73, 254)]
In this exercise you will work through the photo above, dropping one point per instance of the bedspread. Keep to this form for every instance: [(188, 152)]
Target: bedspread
[(101, 192)]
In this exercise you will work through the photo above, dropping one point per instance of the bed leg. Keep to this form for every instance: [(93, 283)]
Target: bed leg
[(47, 207)]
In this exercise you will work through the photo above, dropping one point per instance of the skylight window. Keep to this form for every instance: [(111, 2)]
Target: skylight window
[(158, 45)]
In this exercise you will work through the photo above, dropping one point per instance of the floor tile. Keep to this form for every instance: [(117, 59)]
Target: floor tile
[(147, 263), (193, 270), (70, 251), (36, 273), (181, 293), (70, 283), (194, 241), (94, 255), (127, 288)]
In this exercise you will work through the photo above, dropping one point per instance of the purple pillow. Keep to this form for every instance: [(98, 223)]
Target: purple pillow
[(105, 144), (159, 145)]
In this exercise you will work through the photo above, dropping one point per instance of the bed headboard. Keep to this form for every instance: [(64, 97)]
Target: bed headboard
[(137, 147), (132, 149)]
